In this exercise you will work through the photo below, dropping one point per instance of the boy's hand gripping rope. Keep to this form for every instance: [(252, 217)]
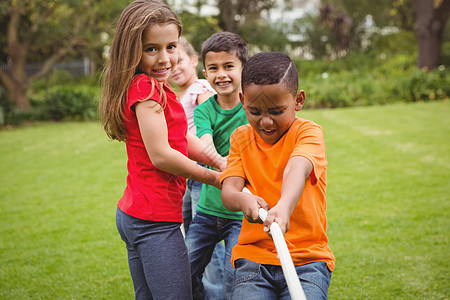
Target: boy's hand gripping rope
[(293, 283)]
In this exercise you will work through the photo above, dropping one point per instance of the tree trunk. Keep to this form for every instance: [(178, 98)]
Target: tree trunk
[(227, 15), (19, 94), (16, 80), (17, 90), (429, 31)]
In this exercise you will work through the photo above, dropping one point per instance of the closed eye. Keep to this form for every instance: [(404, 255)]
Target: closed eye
[(276, 112), (255, 112)]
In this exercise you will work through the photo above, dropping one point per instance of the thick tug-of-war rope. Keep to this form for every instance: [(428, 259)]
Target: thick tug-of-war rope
[(293, 283)]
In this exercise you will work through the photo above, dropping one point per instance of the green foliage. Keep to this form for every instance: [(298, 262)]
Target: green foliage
[(401, 42), (445, 54), (387, 73), (419, 85), (316, 36), (197, 29), (56, 77), (50, 25), (357, 88), (386, 12), (264, 36), (330, 35), (66, 103)]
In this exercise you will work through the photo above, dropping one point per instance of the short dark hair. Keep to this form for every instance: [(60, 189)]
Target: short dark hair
[(228, 42), (267, 68)]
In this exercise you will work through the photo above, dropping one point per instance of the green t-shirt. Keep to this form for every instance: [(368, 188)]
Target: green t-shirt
[(210, 118)]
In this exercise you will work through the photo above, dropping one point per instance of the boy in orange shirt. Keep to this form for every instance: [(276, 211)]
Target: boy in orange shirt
[(281, 159)]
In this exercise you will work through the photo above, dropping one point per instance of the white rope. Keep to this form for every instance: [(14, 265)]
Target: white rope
[(293, 283)]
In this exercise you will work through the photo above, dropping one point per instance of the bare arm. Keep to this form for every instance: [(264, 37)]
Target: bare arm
[(203, 97), (235, 200), (153, 128), (203, 151), (295, 174)]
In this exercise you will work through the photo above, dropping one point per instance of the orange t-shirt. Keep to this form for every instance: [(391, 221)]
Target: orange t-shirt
[(262, 166)]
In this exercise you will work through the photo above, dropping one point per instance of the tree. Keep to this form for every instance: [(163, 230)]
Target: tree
[(357, 10), (403, 14), (50, 29), (234, 14), (431, 16), (197, 28), (429, 23), (250, 20), (340, 25)]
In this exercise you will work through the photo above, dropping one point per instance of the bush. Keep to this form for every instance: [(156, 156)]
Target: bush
[(403, 42), (385, 74), (346, 88), (424, 86), (66, 103)]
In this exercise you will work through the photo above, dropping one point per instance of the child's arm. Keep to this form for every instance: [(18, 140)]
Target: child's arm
[(153, 128), (207, 139), (203, 97), (295, 174), (235, 200), (205, 153)]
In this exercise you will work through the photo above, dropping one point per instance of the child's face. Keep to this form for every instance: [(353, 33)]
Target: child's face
[(186, 72), (270, 109), (159, 52), (223, 72)]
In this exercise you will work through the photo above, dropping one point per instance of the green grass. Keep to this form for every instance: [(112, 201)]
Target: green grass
[(388, 206)]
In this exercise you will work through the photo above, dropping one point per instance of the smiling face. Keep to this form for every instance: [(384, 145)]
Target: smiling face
[(186, 71), (270, 109), (159, 51), (223, 72)]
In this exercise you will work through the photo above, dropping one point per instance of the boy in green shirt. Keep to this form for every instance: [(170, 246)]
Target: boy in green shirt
[(224, 55)]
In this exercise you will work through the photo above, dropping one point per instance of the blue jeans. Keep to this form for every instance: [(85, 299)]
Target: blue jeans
[(267, 282), (157, 258), (190, 202), (203, 235), (213, 275)]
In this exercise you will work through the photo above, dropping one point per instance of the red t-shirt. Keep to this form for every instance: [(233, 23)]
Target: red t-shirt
[(152, 194)]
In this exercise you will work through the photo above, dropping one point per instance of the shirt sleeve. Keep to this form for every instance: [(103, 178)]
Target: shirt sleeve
[(202, 119), (310, 144), (198, 88), (143, 88)]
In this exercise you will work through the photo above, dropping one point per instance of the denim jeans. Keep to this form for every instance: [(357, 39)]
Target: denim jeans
[(267, 282), (203, 235), (190, 202), (213, 275), (157, 258)]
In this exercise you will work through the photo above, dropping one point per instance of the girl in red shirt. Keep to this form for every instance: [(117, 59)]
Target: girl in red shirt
[(138, 107)]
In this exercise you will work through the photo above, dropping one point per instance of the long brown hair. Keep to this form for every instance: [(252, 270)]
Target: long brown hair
[(124, 57)]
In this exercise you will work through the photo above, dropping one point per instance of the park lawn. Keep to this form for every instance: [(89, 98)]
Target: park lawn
[(388, 206)]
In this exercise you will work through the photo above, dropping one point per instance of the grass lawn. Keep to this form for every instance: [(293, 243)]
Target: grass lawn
[(388, 206)]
